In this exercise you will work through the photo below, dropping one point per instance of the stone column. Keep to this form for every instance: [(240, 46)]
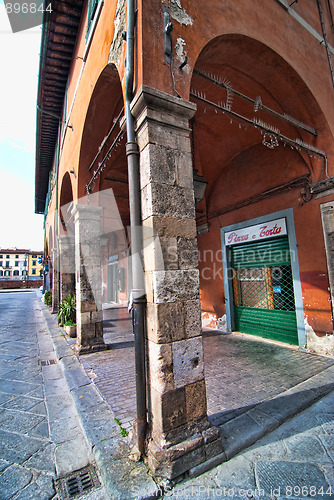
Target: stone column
[(327, 214), (55, 281), (67, 266), (88, 279), (181, 436)]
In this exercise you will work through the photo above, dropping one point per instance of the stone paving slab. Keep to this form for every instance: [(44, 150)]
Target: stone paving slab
[(110, 450), (292, 462), (41, 437)]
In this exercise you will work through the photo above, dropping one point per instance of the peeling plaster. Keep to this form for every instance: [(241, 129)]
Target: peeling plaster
[(119, 23), (318, 345), (180, 43), (181, 54), (179, 14)]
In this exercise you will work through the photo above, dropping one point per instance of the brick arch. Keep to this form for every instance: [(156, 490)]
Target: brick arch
[(245, 178), (255, 70)]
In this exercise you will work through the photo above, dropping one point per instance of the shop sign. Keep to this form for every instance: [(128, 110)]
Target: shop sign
[(262, 231)]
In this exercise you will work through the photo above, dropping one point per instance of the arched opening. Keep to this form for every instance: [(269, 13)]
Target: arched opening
[(66, 203), (259, 140), (66, 239), (103, 185)]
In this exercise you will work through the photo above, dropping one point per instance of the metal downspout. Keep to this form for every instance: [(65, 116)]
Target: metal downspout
[(138, 287)]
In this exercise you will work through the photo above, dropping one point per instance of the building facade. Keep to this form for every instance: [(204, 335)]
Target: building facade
[(236, 99), (20, 264)]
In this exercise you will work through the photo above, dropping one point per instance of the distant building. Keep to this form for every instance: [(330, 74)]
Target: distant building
[(19, 264)]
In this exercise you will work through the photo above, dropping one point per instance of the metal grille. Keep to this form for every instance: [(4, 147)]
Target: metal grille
[(264, 287), (77, 483)]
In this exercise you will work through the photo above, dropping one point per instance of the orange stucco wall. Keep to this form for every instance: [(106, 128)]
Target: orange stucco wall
[(263, 51)]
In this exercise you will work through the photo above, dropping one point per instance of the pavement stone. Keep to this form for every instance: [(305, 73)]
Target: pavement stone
[(272, 404), (41, 437)]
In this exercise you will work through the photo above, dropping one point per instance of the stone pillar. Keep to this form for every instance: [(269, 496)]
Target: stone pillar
[(327, 214), (67, 266), (88, 279), (181, 436), (55, 281)]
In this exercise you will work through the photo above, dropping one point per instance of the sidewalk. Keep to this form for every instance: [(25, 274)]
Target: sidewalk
[(48, 444)]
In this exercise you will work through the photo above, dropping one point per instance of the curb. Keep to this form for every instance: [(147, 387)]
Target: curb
[(244, 430), (123, 479)]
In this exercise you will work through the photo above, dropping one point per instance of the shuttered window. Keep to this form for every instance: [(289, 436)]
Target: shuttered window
[(263, 292)]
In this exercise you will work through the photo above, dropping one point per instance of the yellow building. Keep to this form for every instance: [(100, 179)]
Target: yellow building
[(34, 264)]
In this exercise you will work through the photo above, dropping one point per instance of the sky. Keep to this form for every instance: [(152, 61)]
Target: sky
[(20, 227)]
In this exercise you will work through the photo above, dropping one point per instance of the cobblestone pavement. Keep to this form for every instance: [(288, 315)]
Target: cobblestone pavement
[(240, 370), (41, 437), (294, 462)]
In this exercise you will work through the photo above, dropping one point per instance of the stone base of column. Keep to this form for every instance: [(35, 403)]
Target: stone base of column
[(88, 349), (90, 333), (200, 448)]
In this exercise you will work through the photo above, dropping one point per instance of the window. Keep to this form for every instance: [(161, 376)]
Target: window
[(17, 256), (0, 263), (92, 5), (7, 273), (1, 273), (34, 263), (16, 272), (16, 263), (7, 263), (1, 256), (7, 256), (33, 271), (34, 256)]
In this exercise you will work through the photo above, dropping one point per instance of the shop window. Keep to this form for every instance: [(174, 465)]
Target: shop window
[(264, 288)]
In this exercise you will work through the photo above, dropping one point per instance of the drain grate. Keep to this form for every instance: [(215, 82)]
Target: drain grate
[(77, 482), (47, 362)]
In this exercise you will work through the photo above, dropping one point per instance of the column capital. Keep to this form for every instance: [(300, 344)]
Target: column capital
[(66, 239), (158, 106), (86, 212)]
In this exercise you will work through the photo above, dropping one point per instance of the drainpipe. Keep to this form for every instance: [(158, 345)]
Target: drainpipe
[(138, 288)]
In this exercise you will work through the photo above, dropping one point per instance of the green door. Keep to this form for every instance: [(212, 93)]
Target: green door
[(263, 292)]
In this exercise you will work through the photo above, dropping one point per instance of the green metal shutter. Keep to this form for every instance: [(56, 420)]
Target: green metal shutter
[(262, 253), (263, 290)]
